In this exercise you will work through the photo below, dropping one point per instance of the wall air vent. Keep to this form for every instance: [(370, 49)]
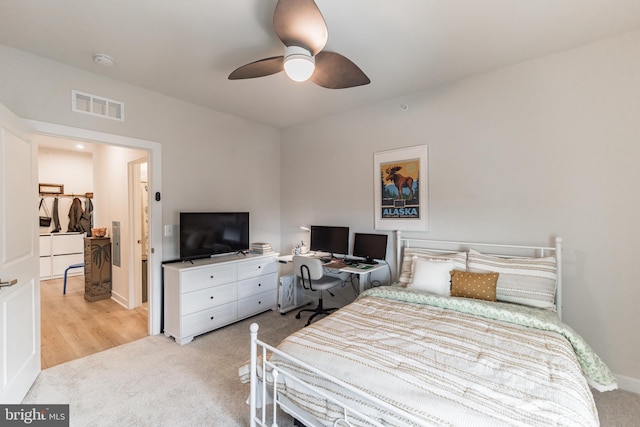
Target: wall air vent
[(96, 106)]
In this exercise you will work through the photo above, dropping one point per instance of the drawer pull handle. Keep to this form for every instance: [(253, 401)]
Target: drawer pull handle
[(259, 267), (211, 317), (212, 276), (211, 297), (259, 302), (259, 284)]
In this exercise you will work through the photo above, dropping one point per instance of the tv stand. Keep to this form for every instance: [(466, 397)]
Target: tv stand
[(215, 292)]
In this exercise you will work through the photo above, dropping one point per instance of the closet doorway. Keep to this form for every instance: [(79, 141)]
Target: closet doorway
[(71, 326)]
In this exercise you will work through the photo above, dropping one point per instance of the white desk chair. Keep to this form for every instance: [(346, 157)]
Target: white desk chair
[(310, 273)]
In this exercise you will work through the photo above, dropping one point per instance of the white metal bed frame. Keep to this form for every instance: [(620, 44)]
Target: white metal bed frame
[(264, 419), (270, 392)]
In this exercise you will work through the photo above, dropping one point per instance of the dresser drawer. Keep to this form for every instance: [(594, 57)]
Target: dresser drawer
[(207, 298), (256, 285), (45, 267), (67, 243), (207, 320), (201, 278), (257, 304), (45, 245), (61, 262), (257, 268)]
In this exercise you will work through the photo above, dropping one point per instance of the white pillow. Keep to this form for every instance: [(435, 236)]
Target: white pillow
[(431, 275), (459, 261), (526, 281)]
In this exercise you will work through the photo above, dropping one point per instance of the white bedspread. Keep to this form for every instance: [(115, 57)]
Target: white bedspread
[(450, 368)]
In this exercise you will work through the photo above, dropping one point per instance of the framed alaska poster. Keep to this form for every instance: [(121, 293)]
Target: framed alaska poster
[(401, 189)]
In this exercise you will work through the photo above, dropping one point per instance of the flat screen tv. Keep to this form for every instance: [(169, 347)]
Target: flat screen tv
[(370, 247), (204, 234), (334, 240)]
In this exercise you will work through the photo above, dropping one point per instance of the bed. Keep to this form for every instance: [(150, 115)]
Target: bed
[(487, 349)]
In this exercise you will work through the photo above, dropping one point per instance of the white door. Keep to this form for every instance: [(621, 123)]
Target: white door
[(19, 264)]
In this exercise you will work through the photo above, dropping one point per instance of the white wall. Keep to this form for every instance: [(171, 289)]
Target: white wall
[(548, 147), (211, 161)]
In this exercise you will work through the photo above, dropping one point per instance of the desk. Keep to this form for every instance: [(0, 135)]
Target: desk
[(362, 271)]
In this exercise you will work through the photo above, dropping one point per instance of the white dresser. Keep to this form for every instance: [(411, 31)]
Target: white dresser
[(210, 293), (58, 251)]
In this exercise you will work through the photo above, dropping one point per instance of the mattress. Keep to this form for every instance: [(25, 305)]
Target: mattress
[(449, 361)]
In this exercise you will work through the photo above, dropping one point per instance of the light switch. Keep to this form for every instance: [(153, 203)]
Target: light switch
[(168, 230)]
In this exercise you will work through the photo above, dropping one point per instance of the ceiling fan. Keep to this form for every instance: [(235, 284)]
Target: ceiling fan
[(301, 28)]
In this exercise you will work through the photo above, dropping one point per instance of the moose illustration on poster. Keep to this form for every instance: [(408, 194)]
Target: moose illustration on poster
[(400, 189), (401, 199)]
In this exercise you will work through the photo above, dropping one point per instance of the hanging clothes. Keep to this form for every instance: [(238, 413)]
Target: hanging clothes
[(56, 218), (78, 219), (75, 214), (88, 209)]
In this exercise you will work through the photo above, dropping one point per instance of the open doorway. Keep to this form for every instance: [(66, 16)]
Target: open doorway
[(88, 317), (139, 220)]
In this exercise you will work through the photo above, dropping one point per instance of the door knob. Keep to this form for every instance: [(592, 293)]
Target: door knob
[(7, 284)]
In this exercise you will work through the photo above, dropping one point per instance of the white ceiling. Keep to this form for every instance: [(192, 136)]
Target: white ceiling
[(47, 142), (186, 49)]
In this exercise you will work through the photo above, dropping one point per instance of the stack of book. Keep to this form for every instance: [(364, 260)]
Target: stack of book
[(261, 248)]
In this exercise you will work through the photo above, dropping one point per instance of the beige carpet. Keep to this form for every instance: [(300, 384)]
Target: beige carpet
[(155, 382)]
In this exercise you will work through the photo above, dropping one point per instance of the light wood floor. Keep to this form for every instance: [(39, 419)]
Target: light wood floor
[(73, 328)]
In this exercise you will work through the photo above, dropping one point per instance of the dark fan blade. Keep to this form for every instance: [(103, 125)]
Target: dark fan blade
[(300, 23), (261, 68), (334, 71)]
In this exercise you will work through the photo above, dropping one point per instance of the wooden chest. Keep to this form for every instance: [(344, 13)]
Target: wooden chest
[(97, 268)]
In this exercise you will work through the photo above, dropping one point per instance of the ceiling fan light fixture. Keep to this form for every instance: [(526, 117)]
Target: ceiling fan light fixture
[(299, 65), (302, 30)]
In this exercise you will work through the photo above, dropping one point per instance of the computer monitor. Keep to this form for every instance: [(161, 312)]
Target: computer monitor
[(370, 247), (334, 240)]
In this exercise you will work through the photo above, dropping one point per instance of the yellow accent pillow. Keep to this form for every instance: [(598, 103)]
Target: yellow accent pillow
[(474, 285)]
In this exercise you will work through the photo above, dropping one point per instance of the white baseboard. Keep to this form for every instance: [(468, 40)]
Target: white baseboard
[(119, 299), (628, 383)]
